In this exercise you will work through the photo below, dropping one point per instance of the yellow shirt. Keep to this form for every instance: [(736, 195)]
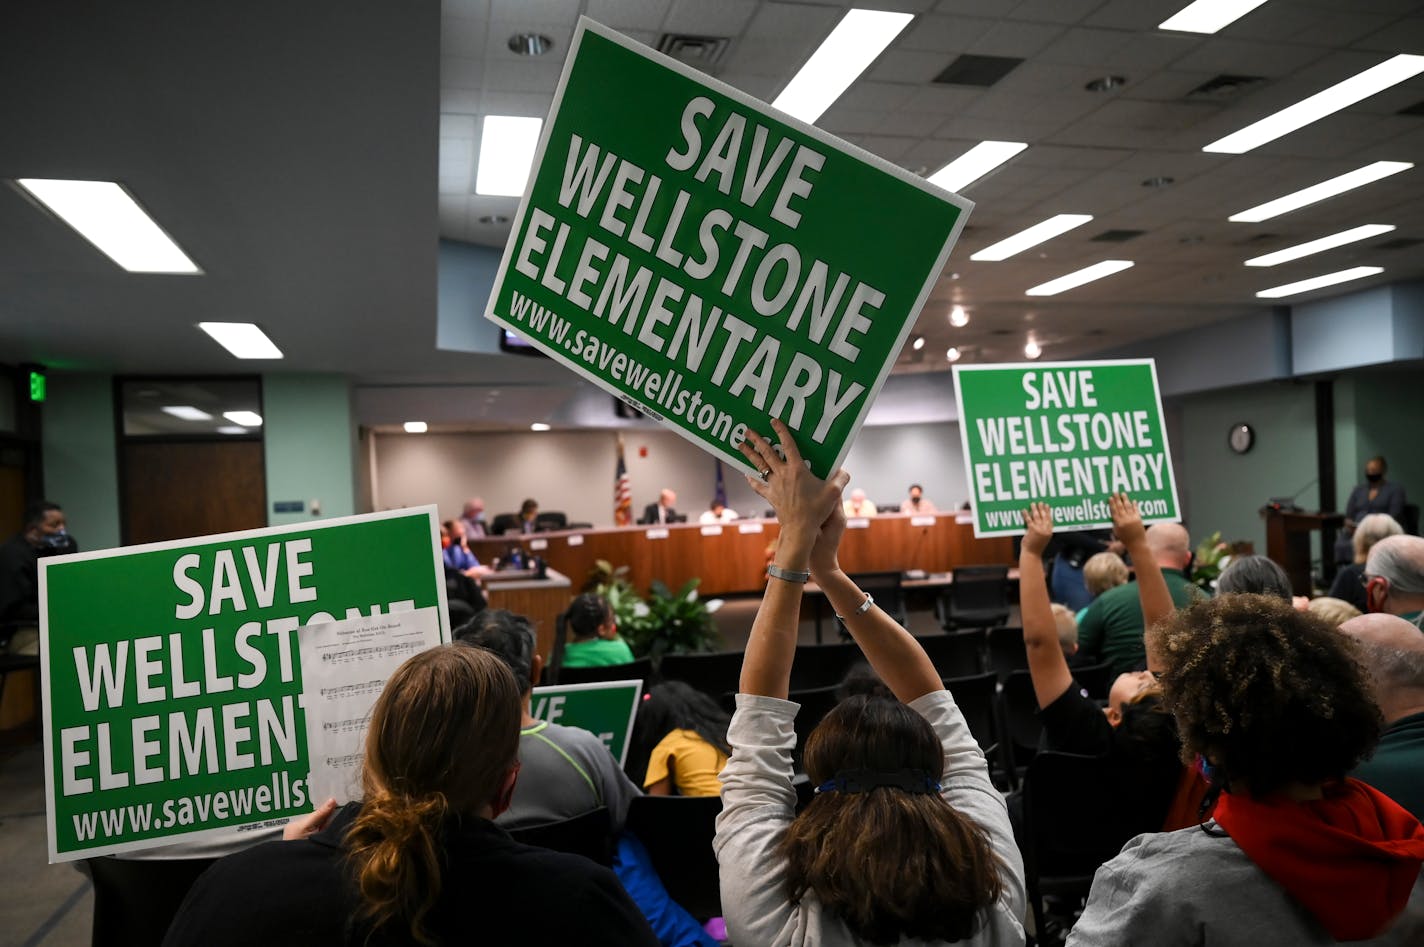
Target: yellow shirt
[(691, 761)]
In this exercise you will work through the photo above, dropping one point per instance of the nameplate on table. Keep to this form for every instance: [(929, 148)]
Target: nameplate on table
[(657, 534), (966, 518), (538, 545), (711, 531), (922, 521), (576, 540), (859, 522), (745, 528)]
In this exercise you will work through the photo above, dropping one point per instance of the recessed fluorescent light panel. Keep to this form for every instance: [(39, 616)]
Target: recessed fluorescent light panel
[(1317, 282), (1319, 192), (107, 216), (975, 163), (187, 412), (1208, 16), (1087, 275), (244, 418), (242, 339), (416, 427), (1032, 237), (1341, 95), (853, 45), (507, 146), (232, 429), (538, 426), (1353, 235)]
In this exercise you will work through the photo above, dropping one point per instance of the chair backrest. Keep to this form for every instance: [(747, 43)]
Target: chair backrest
[(641, 669), (1096, 679), (1006, 651), (677, 832), (886, 589), (980, 587), (589, 835), (553, 519), (955, 653), (503, 523), (815, 704), (1019, 713), (975, 697), (135, 900), (713, 674), (822, 665)]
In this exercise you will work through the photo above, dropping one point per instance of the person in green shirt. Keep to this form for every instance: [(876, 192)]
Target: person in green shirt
[(1111, 629), (593, 633)]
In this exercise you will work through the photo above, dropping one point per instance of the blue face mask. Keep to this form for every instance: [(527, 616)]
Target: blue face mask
[(56, 540)]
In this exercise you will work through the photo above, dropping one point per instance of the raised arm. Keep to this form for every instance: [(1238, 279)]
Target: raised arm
[(1046, 664), (1156, 600)]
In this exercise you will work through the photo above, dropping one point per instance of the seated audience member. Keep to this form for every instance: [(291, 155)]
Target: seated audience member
[(861, 680), (679, 742), (1102, 571), (718, 512), (42, 534), (858, 507), (906, 840), (457, 552), (473, 516), (1375, 495), (1332, 611), (420, 859), (917, 502), (593, 634), (1066, 624), (1254, 575), (1394, 578), (529, 516), (1349, 582), (1071, 550), (565, 771), (1111, 629), (662, 511), (1276, 703), (1392, 650)]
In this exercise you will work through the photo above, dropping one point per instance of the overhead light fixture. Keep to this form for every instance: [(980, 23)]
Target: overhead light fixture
[(919, 343), (1319, 192), (952, 353), (1032, 349), (858, 38), (958, 317), (1032, 237), (507, 146), (530, 44), (187, 412), (1077, 278), (1318, 282), (1208, 16), (242, 339), (1341, 95), (975, 163), (108, 216), (415, 427), (538, 426), (232, 429), (1353, 235), (245, 418)]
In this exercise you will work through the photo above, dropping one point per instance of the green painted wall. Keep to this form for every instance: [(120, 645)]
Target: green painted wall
[(310, 441), (81, 466)]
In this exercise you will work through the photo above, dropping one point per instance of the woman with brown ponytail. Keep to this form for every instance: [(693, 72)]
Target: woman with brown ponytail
[(419, 861), (906, 840)]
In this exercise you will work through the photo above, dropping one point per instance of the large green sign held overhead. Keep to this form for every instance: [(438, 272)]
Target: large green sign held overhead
[(172, 674), (712, 261), (1068, 434)]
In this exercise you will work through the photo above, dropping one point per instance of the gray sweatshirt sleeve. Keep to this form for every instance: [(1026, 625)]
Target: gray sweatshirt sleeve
[(1127, 906)]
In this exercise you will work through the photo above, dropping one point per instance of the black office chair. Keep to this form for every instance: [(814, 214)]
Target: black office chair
[(713, 674), (1018, 712), (135, 900), (977, 597), (822, 665), (504, 523), (975, 697), (955, 653), (1096, 679), (677, 832), (641, 669), (589, 835), (1006, 651), (886, 589), (552, 520)]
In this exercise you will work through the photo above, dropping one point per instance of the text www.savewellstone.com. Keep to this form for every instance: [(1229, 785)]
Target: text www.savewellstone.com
[(665, 390), (1088, 511), (214, 807)]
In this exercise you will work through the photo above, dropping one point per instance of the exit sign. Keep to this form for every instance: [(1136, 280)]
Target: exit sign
[(37, 386)]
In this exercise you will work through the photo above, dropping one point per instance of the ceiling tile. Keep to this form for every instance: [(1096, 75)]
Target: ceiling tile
[(458, 72), (629, 14), (1008, 38), (462, 36), (942, 34), (564, 12), (1403, 36), (908, 65), (529, 104), (457, 126), (700, 18)]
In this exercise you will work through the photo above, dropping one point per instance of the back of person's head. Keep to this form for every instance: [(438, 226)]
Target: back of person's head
[(35, 513), (669, 706), (1400, 561), (1067, 624), (510, 637), (1104, 571), (586, 614), (1146, 732), (1332, 611), (892, 862), (1255, 575), (1392, 651), (1371, 530), (1170, 544), (1269, 695), (529, 507), (861, 681), (443, 741)]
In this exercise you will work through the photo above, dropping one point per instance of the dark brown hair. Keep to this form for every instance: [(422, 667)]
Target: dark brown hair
[(442, 738), (891, 864), (1270, 695)]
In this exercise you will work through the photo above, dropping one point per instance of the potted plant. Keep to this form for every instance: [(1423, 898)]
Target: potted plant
[(665, 621)]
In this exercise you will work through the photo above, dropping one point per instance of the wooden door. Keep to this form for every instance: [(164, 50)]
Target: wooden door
[(178, 489)]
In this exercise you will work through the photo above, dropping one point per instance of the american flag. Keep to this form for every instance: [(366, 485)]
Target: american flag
[(622, 491)]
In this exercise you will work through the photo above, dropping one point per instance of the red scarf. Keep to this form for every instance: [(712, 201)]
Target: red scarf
[(1349, 859)]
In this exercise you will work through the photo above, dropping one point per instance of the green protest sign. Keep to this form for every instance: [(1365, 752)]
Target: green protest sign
[(172, 675), (1068, 434), (605, 709), (712, 261)]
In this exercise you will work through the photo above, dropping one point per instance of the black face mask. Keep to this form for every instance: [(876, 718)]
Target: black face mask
[(1374, 478)]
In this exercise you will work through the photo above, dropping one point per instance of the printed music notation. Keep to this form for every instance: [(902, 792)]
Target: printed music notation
[(400, 649), (354, 690)]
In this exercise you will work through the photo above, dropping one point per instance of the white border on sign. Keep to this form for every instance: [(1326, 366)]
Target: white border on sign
[(119, 552), (1066, 527), (603, 686), (964, 205)]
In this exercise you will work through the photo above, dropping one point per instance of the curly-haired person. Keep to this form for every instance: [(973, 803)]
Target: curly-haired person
[(1275, 702)]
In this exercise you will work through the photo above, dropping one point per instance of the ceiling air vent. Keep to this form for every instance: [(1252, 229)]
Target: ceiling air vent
[(1226, 86), (1398, 243), (701, 52), (981, 71), (1117, 236), (1416, 109)]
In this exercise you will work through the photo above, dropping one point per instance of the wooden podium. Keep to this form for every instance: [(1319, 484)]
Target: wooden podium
[(1288, 541)]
